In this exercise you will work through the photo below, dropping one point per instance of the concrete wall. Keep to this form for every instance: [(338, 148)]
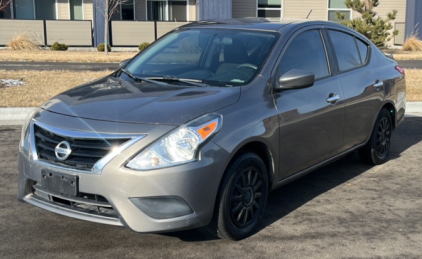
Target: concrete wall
[(132, 33), (32, 29), (72, 33)]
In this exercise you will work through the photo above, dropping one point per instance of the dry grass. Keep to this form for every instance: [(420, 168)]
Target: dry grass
[(64, 56), (414, 85), (413, 43), (404, 55), (41, 85), (409, 56), (21, 42)]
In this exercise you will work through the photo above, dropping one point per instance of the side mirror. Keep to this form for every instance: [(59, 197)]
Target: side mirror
[(295, 79), (123, 63)]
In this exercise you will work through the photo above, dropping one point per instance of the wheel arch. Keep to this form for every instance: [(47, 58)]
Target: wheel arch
[(391, 108), (263, 151)]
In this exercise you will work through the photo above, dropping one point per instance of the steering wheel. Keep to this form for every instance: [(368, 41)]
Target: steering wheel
[(248, 65)]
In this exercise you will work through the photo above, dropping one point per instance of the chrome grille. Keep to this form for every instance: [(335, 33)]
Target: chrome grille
[(85, 152)]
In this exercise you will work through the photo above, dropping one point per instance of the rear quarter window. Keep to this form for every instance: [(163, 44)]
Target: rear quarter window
[(363, 50)]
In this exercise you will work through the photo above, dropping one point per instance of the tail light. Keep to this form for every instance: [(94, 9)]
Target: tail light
[(400, 69)]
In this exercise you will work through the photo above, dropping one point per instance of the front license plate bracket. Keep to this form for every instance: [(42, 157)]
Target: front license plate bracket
[(60, 183)]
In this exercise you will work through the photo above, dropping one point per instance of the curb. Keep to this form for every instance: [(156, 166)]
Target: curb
[(19, 114), (11, 114), (413, 107)]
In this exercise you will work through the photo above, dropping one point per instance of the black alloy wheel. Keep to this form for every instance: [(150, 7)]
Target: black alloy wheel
[(246, 197), (241, 198), (376, 151), (383, 137)]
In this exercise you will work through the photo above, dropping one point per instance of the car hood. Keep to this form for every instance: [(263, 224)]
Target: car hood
[(112, 99)]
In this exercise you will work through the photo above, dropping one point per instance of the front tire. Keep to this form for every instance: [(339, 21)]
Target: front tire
[(241, 199), (376, 151)]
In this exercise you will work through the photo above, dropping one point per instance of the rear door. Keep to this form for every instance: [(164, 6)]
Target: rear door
[(363, 87), (311, 119)]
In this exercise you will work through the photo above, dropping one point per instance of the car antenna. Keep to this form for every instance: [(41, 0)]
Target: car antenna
[(309, 14)]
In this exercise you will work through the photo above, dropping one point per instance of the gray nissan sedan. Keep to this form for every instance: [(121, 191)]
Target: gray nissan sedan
[(198, 129)]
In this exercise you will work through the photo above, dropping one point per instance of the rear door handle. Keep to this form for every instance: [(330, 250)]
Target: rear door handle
[(378, 84), (333, 98)]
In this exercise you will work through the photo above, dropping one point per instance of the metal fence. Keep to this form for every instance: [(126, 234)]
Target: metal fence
[(80, 33), (133, 33), (46, 32)]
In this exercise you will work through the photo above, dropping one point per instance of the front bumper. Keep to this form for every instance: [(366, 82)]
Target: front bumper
[(195, 183)]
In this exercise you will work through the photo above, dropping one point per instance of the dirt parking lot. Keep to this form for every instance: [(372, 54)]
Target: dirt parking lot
[(344, 210)]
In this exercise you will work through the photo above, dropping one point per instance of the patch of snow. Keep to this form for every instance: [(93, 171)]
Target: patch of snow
[(11, 82)]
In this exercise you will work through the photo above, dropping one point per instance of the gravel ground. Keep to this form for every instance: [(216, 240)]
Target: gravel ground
[(344, 210)]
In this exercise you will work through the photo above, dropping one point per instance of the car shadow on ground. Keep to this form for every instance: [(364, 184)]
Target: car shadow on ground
[(290, 197)]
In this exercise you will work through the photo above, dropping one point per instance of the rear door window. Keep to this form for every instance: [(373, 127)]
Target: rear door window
[(306, 52), (346, 50)]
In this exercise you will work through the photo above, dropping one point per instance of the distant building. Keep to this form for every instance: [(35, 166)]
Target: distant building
[(408, 16)]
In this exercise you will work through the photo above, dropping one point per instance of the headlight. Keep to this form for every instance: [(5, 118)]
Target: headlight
[(180, 146), (25, 127)]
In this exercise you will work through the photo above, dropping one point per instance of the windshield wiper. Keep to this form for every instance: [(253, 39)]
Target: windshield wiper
[(195, 82), (137, 78)]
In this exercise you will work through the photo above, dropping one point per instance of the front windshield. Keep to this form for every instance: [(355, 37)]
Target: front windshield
[(216, 57)]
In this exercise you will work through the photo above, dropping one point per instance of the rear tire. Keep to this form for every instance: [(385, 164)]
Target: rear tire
[(241, 198), (376, 151)]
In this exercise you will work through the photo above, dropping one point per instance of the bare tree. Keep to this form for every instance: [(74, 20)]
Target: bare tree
[(4, 4), (108, 8)]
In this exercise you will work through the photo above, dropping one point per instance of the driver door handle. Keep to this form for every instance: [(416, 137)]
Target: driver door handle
[(333, 98)]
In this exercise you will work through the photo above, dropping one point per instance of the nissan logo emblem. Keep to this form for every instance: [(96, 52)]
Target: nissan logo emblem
[(63, 150)]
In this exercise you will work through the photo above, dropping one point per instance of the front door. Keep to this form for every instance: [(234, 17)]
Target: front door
[(311, 119)]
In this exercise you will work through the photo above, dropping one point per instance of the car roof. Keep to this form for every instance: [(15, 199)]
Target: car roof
[(252, 24)]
